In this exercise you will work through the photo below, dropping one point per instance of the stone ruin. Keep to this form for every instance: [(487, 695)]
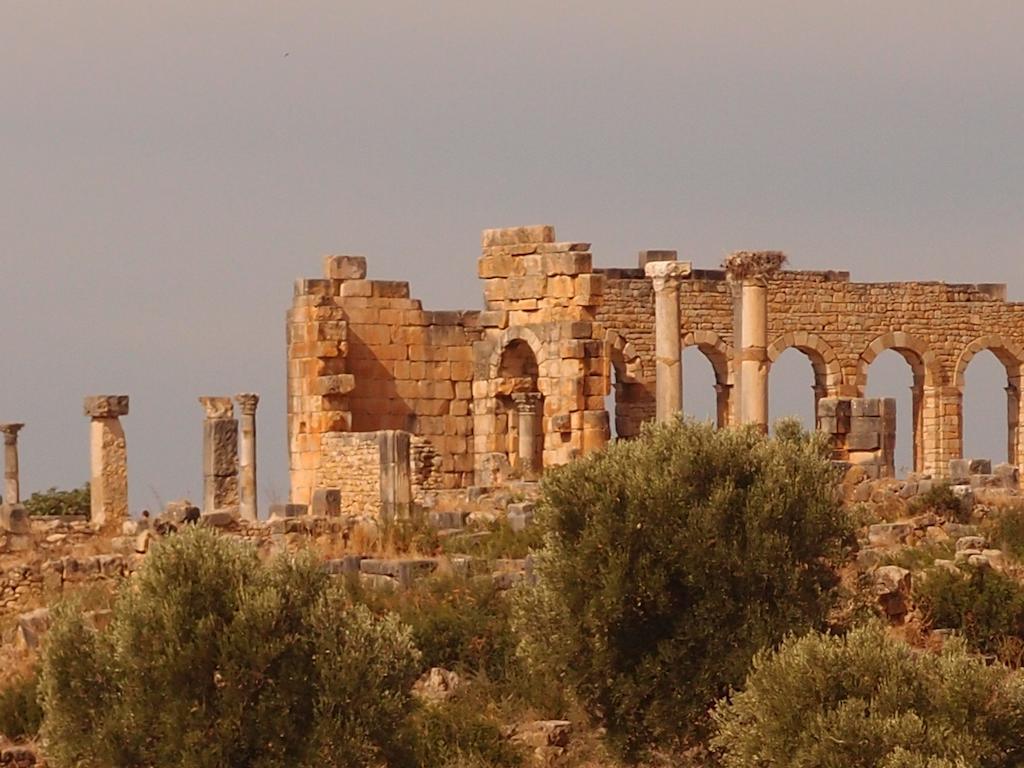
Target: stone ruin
[(389, 403), (520, 385)]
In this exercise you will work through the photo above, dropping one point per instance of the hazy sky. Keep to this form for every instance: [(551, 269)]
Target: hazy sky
[(168, 168)]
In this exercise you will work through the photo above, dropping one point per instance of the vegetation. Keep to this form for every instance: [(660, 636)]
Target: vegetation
[(983, 604), (1006, 531), (57, 502), (20, 713), (214, 659), (669, 561), (499, 540), (941, 500), (867, 700)]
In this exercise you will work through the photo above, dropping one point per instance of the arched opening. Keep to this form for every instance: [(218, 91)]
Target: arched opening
[(899, 375), (700, 399), (794, 388), (985, 423), (519, 409), (629, 403)]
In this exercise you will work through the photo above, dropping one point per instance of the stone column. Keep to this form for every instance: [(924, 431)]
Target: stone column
[(220, 454), (754, 354), (665, 277), (108, 481), (526, 408), (248, 507), (751, 270), (12, 490)]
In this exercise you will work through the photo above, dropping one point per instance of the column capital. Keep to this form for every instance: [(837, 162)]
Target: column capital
[(753, 265), (218, 407), (10, 432), (105, 406), (665, 274), (526, 402), (247, 401)]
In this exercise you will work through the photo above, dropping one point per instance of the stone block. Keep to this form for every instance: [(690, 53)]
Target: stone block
[(646, 257), (865, 406), (1008, 474), (106, 406), (336, 384), (219, 518), (326, 502), (864, 424), (344, 267), (520, 516), (288, 510), (863, 441), (980, 466), (220, 446), (14, 519), (543, 233), (959, 471), (343, 565)]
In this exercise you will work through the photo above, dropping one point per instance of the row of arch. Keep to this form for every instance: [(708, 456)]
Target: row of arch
[(937, 417)]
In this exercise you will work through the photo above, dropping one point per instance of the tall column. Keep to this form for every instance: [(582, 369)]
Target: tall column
[(12, 489), (665, 276), (220, 454), (754, 353), (108, 452), (526, 408), (248, 507)]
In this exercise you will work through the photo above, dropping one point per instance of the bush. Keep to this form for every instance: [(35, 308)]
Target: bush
[(20, 713), (985, 605), (941, 500), (55, 502), (459, 735), (670, 560), (1005, 529), (501, 541), (212, 659), (867, 700)]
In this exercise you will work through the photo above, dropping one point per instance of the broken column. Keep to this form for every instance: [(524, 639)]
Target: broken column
[(12, 489), (395, 476), (527, 410), (220, 454), (665, 276), (752, 269), (108, 451), (247, 507)]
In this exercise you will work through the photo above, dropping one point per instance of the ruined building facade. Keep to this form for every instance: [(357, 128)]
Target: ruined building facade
[(521, 385)]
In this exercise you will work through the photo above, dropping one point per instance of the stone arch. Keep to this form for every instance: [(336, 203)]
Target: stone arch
[(926, 395), (633, 397), (1011, 355), (518, 401), (828, 371), (509, 335), (720, 355)]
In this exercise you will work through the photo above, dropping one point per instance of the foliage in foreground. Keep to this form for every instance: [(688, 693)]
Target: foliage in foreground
[(214, 659), (868, 700), (983, 604), (56, 502), (20, 714), (669, 561), (941, 500)]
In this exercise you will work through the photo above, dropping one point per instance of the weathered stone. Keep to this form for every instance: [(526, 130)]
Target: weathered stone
[(892, 585), (288, 510), (436, 685), (31, 627), (520, 516), (106, 406), (14, 519), (326, 502)]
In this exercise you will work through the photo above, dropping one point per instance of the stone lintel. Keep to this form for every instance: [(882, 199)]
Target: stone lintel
[(646, 257), (540, 233), (753, 265), (218, 407), (667, 270), (247, 402), (106, 406)]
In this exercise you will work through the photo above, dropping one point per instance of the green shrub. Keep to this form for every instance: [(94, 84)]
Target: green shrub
[(921, 556), (56, 502), (867, 700), (459, 735), (983, 604), (1005, 529), (213, 659), (500, 542), (20, 713), (941, 500), (669, 561)]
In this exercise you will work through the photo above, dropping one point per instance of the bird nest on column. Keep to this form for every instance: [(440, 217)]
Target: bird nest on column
[(741, 265)]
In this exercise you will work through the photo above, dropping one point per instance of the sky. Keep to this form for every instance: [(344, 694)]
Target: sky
[(167, 169)]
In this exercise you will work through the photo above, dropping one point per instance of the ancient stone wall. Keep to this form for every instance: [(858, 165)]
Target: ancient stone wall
[(521, 385)]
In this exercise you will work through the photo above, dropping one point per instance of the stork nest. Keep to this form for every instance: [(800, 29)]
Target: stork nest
[(745, 264)]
